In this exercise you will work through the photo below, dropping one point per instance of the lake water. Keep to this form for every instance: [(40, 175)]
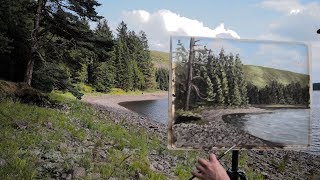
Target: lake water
[(286, 126), (158, 110)]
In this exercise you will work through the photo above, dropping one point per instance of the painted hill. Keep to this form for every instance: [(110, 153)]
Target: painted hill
[(261, 76), (257, 75), (160, 59)]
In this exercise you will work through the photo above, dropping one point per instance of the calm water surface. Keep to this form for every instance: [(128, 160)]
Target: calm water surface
[(293, 121), (286, 126)]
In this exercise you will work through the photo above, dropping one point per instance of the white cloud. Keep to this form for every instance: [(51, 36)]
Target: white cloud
[(299, 22), (161, 24), (285, 6)]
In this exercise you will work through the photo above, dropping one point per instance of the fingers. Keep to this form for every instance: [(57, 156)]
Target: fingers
[(203, 162), (212, 158), (200, 168), (197, 174)]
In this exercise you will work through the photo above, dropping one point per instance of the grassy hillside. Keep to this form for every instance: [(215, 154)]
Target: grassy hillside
[(261, 76), (160, 59)]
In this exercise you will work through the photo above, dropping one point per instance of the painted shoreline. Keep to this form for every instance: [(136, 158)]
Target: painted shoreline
[(215, 132)]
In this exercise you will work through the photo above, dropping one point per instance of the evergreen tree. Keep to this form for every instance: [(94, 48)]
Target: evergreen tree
[(145, 63), (219, 90), (236, 99), (225, 87), (210, 94)]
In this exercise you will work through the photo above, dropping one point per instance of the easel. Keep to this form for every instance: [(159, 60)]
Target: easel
[(234, 173)]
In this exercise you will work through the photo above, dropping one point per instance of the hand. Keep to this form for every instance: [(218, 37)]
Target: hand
[(210, 170)]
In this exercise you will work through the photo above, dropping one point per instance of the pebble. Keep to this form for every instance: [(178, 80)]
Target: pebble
[(78, 172), (2, 162)]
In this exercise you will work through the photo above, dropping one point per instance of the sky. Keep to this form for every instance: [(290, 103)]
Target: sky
[(285, 20)]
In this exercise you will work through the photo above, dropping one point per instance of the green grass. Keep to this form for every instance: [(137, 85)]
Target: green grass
[(18, 146), (160, 59), (85, 88), (262, 76)]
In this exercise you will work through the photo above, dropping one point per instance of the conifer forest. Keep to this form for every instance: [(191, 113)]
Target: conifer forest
[(49, 44)]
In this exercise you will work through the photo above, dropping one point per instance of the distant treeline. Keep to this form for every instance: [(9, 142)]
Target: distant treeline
[(51, 46), (277, 93), (218, 80), (316, 86)]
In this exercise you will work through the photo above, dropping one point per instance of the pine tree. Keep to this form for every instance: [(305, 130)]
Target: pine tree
[(220, 96), (145, 63), (225, 87), (60, 18), (236, 99), (210, 94)]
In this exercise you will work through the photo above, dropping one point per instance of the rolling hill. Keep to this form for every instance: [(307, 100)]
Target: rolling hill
[(160, 59), (261, 76), (257, 75)]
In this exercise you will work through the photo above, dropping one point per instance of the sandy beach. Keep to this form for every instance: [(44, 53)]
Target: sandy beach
[(114, 100)]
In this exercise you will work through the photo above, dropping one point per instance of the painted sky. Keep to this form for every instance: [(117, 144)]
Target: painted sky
[(288, 20), (279, 55)]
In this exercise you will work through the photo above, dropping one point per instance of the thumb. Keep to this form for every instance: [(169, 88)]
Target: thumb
[(213, 158)]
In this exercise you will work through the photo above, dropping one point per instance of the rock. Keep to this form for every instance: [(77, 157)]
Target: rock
[(94, 176), (126, 150), (64, 175), (20, 124), (69, 177), (48, 125), (2, 162), (78, 172), (63, 146), (102, 154), (50, 166), (265, 175), (160, 167)]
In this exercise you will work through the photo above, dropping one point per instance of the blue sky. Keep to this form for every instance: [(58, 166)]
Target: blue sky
[(288, 20)]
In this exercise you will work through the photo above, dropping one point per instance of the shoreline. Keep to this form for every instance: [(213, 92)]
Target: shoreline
[(266, 162), (114, 100), (215, 131)]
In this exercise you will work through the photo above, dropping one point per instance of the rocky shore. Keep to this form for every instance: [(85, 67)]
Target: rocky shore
[(272, 164), (214, 132)]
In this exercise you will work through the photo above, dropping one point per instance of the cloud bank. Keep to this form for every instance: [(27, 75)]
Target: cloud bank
[(161, 24)]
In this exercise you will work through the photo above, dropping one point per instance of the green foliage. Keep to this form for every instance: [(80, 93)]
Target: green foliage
[(85, 88), (162, 79), (277, 93)]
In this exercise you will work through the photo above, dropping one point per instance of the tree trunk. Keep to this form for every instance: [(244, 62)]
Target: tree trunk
[(191, 58), (34, 43)]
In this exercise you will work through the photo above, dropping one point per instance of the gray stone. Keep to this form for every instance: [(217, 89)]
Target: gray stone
[(48, 125), (64, 175), (78, 172), (102, 154), (21, 124), (94, 176), (160, 167), (2, 162), (69, 177)]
